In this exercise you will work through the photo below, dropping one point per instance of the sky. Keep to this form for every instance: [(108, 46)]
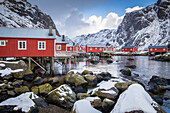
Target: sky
[(77, 17)]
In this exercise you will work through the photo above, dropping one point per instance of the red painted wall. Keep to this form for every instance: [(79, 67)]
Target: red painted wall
[(108, 48), (81, 48), (129, 49), (94, 49), (63, 46), (68, 49), (11, 48), (78, 47), (158, 49)]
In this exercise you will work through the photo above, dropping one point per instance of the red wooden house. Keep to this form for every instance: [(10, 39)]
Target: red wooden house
[(95, 48), (129, 49), (61, 44), (24, 42), (81, 48), (158, 48), (109, 48), (69, 47), (76, 47)]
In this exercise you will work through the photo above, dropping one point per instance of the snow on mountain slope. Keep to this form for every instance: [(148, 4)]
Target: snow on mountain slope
[(20, 13), (144, 27)]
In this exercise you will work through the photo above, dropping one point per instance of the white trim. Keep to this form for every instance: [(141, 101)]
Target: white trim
[(4, 42), (40, 48), (59, 46), (22, 44)]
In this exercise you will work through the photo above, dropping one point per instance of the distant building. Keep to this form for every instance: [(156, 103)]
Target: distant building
[(98, 48), (61, 44), (129, 49), (70, 47), (158, 48), (25, 42)]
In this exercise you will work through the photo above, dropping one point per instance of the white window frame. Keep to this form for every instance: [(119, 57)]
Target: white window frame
[(59, 46), (100, 49), (70, 48), (163, 49), (41, 44), (90, 48), (151, 49), (22, 44), (3, 41)]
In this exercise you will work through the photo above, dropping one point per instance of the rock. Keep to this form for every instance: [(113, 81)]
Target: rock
[(82, 96), (62, 96), (105, 74), (85, 72), (126, 72), (158, 81), (158, 99), (79, 89), (75, 80), (130, 101), (121, 86), (18, 75), (29, 77), (95, 102), (156, 89), (167, 95), (107, 105), (53, 80), (34, 89), (45, 89), (21, 90), (17, 83), (91, 79), (11, 93), (37, 81), (8, 77), (131, 66), (40, 102)]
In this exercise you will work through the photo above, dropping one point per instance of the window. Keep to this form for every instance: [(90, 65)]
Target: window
[(58, 47), (90, 48), (155, 49), (164, 49), (131, 49), (22, 45), (70, 48), (96, 48), (41, 45), (2, 42), (100, 48), (151, 49), (110, 49)]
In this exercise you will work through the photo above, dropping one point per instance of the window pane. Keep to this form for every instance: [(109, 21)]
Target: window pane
[(24, 45), (20, 44)]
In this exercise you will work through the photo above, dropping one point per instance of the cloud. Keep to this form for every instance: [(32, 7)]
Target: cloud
[(128, 10)]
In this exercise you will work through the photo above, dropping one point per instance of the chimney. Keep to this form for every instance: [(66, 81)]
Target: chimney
[(50, 31), (63, 38)]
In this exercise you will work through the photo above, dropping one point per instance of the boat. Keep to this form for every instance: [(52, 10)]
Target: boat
[(94, 61), (109, 61)]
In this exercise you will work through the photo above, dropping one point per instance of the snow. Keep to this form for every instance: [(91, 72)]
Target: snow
[(92, 98), (84, 106), (6, 62), (8, 71), (2, 65), (134, 98), (23, 101), (2, 84)]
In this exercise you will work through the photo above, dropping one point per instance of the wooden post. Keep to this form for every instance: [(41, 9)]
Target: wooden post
[(52, 66), (29, 63)]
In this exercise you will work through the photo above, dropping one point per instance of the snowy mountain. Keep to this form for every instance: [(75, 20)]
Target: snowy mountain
[(148, 26), (20, 13), (105, 36)]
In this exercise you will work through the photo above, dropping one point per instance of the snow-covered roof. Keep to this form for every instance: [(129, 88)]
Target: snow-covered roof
[(69, 45), (158, 47), (95, 45), (128, 47), (26, 32), (59, 40)]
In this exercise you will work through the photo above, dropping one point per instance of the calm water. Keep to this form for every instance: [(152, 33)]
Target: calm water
[(145, 67)]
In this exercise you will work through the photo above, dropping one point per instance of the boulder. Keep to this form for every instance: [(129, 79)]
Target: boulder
[(18, 75), (79, 89), (34, 89), (130, 101), (8, 77), (11, 93), (107, 105), (91, 79), (40, 102), (37, 81), (95, 102), (103, 76), (62, 96), (121, 86), (53, 80), (21, 90), (45, 89), (29, 77), (75, 80), (85, 72), (17, 83), (131, 66), (82, 96), (126, 72)]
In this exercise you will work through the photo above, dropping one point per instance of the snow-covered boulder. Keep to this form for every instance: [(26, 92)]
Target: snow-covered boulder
[(106, 89), (23, 102), (62, 96), (84, 106), (135, 98)]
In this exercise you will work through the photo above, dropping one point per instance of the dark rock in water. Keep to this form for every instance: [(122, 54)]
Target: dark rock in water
[(135, 111), (158, 99), (85, 72), (121, 86), (105, 74), (126, 72), (107, 105), (96, 103), (94, 61), (130, 59), (45, 89), (131, 66), (109, 61), (79, 89), (37, 81), (53, 80), (167, 95), (29, 77), (91, 79), (40, 102)]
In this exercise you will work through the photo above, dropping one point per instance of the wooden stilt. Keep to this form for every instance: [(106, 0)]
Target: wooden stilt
[(52, 66), (29, 63)]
